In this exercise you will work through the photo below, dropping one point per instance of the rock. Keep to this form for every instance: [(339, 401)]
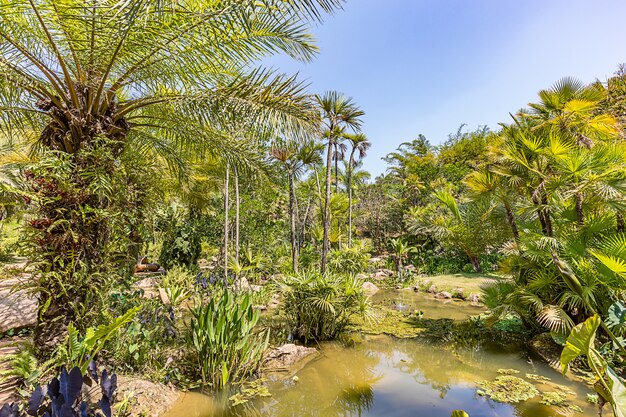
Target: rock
[(260, 307), (256, 288), (379, 276), (432, 289), (458, 293), (149, 286), (443, 295), (375, 260), (362, 277), (410, 268), (369, 288), (285, 356), (387, 272), (398, 287), (274, 302), (164, 298), (474, 298), (146, 398), (18, 308)]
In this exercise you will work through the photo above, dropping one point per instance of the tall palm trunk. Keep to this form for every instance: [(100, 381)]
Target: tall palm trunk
[(349, 185), (237, 201), (226, 208), (336, 168), (326, 217), (292, 221)]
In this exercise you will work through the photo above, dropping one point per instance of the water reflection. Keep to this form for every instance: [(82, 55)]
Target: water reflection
[(387, 377)]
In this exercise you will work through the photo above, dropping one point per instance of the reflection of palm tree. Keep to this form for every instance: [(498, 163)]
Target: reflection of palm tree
[(355, 399)]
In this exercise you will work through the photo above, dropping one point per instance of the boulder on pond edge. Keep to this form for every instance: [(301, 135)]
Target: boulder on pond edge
[(369, 288), (285, 356), (145, 398)]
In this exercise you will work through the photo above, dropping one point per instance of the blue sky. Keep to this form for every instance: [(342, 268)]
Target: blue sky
[(427, 66)]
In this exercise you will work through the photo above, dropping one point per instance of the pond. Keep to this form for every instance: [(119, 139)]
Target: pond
[(383, 376)]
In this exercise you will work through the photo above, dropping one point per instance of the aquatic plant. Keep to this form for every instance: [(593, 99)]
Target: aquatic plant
[(508, 389), (224, 345)]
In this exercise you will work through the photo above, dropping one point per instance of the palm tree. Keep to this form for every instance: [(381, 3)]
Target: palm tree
[(338, 114), (360, 145), (339, 154), (296, 158), (150, 78), (485, 184), (466, 227), (400, 251), (572, 107)]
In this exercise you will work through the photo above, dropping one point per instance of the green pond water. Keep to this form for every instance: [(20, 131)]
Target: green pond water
[(384, 376)]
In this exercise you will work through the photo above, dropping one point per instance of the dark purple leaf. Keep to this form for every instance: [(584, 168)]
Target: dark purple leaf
[(36, 399), (105, 406), (93, 370), (54, 388), (9, 410), (71, 384), (66, 411)]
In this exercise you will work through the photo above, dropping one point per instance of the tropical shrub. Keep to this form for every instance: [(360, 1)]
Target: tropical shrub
[(147, 341), (224, 345), (182, 246), (349, 260), (81, 350), (319, 307)]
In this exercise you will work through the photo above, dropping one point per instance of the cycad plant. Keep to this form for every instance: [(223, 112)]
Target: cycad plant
[(89, 82)]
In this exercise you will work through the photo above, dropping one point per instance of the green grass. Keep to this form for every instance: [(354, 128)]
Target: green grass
[(470, 282)]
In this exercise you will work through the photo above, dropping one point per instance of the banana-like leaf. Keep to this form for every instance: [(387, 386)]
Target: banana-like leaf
[(579, 341), (618, 393)]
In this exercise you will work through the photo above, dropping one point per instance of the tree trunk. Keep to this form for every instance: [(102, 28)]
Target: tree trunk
[(304, 221), (619, 218), (511, 219), (349, 185), (475, 263), (236, 212), (336, 168), (292, 221), (226, 208), (580, 214), (541, 215), (326, 217)]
